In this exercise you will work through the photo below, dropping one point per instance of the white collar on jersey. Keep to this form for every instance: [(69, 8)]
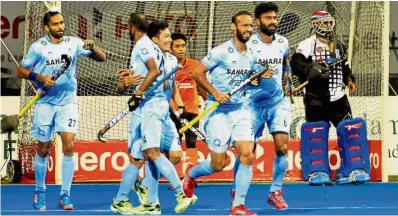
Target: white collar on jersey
[(273, 38), (237, 49)]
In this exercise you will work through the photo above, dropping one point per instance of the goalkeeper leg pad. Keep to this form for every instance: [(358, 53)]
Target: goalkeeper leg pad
[(314, 153), (354, 152)]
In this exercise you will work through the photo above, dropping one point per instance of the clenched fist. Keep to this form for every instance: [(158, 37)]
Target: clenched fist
[(88, 45)]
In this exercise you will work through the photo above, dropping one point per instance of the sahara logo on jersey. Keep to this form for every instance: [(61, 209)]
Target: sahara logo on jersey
[(54, 61), (238, 71), (270, 61)]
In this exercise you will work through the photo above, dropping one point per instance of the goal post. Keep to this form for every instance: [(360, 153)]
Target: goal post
[(363, 26)]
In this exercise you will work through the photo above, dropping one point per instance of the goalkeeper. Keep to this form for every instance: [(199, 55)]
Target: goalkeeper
[(326, 101), (51, 62)]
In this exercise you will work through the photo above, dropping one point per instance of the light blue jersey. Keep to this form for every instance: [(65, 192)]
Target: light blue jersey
[(144, 50), (171, 62), (44, 58), (270, 91), (228, 67)]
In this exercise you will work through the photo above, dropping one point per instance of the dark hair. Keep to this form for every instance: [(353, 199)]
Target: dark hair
[(155, 27), (139, 20), (264, 8), (178, 35), (48, 15), (240, 13)]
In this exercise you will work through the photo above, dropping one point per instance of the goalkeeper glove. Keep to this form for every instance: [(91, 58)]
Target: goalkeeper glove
[(134, 102), (317, 70)]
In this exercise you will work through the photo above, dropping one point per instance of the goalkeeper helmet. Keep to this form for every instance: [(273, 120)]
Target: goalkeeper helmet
[(322, 23)]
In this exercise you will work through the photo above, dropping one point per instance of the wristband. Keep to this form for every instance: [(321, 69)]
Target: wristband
[(32, 76)]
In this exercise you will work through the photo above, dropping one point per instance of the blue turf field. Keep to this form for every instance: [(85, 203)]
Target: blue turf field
[(89, 199)]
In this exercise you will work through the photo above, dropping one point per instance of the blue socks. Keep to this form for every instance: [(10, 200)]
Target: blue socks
[(167, 169), (68, 169), (151, 181), (40, 172), (202, 169), (242, 183), (129, 177), (236, 167), (279, 171)]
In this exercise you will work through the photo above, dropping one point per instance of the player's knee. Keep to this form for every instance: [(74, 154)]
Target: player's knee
[(136, 162), (152, 154), (43, 149), (218, 166), (67, 149), (246, 158), (175, 157)]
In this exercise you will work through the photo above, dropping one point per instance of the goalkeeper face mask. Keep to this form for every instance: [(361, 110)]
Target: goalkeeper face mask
[(323, 23)]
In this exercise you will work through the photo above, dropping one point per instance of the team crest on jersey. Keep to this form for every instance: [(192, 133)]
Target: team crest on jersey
[(230, 49), (280, 40), (43, 43), (67, 39), (144, 51), (255, 41)]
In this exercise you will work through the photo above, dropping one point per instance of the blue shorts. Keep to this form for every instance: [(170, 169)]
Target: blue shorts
[(277, 118), (49, 118), (169, 139), (224, 127)]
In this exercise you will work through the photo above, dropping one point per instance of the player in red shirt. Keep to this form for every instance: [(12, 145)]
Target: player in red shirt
[(189, 92)]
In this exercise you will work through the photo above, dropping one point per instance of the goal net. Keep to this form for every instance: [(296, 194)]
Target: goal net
[(206, 24)]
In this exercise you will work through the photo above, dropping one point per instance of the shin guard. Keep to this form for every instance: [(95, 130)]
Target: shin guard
[(354, 146), (314, 148)]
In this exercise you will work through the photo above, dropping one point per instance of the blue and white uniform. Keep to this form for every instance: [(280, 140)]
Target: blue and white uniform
[(230, 122), (57, 109), (267, 102)]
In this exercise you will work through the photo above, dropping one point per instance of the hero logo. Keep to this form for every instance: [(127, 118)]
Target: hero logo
[(294, 160), (89, 161), (355, 126), (314, 129)]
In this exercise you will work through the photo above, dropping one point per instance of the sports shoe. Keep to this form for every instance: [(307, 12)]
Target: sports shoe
[(142, 192), (276, 199), (189, 184), (148, 208), (122, 207), (65, 203), (319, 179), (357, 176), (183, 202), (240, 210), (39, 200)]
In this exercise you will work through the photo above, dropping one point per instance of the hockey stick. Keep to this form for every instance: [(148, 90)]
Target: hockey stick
[(290, 81), (216, 104), (126, 110), (40, 92), (327, 69), (196, 131)]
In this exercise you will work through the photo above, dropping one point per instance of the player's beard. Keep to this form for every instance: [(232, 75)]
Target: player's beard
[(132, 35), (264, 29), (56, 34), (240, 36)]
